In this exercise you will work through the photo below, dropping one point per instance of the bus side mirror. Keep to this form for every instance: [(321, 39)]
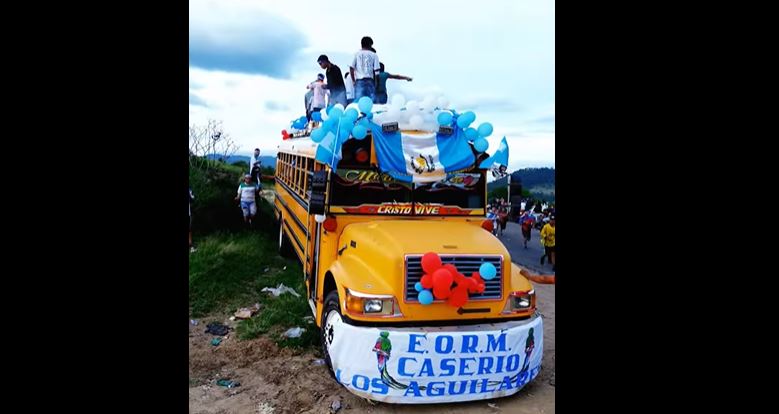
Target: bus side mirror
[(316, 201)]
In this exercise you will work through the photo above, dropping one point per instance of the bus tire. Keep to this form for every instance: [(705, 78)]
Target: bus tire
[(331, 312)]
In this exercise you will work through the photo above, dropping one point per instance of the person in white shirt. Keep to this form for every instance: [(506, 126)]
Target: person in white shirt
[(318, 101), (349, 89), (247, 196), (255, 166), (364, 68)]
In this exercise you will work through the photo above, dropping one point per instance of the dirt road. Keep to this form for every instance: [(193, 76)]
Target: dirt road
[(281, 380)]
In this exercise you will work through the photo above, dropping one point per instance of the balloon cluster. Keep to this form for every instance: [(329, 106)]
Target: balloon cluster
[(416, 115), (476, 135), (447, 283), (299, 123), (345, 122)]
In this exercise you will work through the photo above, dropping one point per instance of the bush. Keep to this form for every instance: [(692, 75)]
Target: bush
[(215, 208)]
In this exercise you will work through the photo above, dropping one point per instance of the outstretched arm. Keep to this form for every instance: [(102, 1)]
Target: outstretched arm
[(391, 76)]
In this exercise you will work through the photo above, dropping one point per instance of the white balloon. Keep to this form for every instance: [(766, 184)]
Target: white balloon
[(398, 100), (416, 121), (443, 102), (429, 103), (412, 107), (393, 115), (323, 112), (320, 218), (430, 126)]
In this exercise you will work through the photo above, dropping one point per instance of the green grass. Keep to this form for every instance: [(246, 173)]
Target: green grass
[(228, 272)]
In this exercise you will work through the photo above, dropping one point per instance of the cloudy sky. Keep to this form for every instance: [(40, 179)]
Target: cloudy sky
[(249, 62)]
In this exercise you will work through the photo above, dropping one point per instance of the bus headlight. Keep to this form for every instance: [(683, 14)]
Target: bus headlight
[(520, 302), (372, 305), (369, 304)]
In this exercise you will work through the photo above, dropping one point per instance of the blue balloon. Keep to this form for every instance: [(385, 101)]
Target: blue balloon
[(335, 113), (298, 124), (318, 134), (303, 119), (344, 134), (444, 118), (465, 120), (359, 132), (345, 124), (425, 297), (418, 285), (364, 122), (316, 116), (351, 114), (365, 104), (369, 115), (487, 271), (485, 129), (330, 124), (481, 144), (471, 134)]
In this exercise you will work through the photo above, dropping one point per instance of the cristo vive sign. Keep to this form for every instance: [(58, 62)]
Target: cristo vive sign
[(442, 364)]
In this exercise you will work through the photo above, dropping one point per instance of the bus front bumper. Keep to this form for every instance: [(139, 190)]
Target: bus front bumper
[(436, 364)]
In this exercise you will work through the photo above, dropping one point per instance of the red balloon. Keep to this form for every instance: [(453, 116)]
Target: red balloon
[(440, 292), (443, 277), (427, 281), (430, 262), (459, 278), (481, 287), (471, 285), (477, 277), (450, 267), (458, 297)]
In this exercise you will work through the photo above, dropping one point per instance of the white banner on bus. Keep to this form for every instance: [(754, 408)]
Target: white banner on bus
[(433, 365)]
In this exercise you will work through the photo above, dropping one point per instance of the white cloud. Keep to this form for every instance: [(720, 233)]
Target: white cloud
[(497, 58)]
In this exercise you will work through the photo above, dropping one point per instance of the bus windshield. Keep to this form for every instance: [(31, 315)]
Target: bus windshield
[(360, 191)]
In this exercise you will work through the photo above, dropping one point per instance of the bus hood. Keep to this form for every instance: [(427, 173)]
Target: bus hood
[(377, 250)]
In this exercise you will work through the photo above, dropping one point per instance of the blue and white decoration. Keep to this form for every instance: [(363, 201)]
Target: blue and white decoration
[(418, 154), (498, 162)]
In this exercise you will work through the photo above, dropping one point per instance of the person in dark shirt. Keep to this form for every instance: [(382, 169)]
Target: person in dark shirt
[(335, 80), (381, 83)]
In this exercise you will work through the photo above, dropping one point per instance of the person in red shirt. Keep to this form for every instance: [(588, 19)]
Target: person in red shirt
[(526, 223)]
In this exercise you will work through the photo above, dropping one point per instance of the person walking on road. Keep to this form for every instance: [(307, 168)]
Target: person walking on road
[(526, 224), (548, 241)]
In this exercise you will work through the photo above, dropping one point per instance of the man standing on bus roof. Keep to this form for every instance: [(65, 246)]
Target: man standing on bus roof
[(335, 83), (381, 84), (318, 101), (247, 194), (364, 68)]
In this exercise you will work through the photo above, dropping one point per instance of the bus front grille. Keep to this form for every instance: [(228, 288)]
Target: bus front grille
[(465, 265)]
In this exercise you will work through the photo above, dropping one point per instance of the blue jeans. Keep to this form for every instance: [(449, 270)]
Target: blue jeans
[(338, 96), (381, 98), (364, 87)]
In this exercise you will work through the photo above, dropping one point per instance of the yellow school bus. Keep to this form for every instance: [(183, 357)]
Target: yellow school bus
[(361, 264)]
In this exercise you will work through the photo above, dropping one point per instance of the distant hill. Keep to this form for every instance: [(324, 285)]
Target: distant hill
[(539, 181), (267, 161)]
